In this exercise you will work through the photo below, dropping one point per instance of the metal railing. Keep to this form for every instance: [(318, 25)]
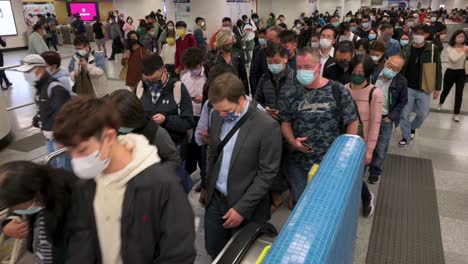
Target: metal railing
[(49, 158), (20, 106)]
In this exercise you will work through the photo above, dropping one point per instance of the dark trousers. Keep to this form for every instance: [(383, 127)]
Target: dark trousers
[(117, 47), (452, 77), (51, 40), (194, 155), (216, 236), (280, 183), (3, 78), (365, 193), (171, 70)]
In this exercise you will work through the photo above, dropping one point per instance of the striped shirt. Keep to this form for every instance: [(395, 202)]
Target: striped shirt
[(42, 247)]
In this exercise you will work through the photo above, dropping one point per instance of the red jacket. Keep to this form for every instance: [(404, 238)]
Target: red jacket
[(187, 42)]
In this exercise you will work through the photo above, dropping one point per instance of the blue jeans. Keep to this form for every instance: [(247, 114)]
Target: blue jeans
[(381, 148), (419, 102), (298, 179), (63, 161)]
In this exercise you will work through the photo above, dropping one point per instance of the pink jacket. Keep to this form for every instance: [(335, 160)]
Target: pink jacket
[(370, 113)]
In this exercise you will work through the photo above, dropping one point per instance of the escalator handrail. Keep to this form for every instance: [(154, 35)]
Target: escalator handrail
[(240, 243)]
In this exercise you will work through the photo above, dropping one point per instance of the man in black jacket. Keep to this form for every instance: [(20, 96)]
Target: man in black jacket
[(259, 64), (272, 85), (340, 70), (157, 92), (395, 94), (167, 102), (129, 208), (50, 96)]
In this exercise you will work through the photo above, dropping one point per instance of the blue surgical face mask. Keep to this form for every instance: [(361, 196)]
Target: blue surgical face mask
[(353, 29), (388, 73), (365, 25), (262, 42), (196, 72), (305, 77), (372, 36), (336, 24), (82, 52), (125, 130), (275, 68), (433, 19), (30, 211), (404, 42), (230, 117)]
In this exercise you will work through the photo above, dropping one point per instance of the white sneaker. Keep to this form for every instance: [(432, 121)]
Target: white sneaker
[(439, 107), (456, 118)]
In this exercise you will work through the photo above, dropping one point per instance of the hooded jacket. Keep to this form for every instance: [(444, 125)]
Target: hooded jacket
[(63, 77), (139, 214)]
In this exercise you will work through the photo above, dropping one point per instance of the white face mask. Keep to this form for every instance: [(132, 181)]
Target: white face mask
[(89, 167), (418, 39), (376, 58), (315, 45), (31, 77), (325, 43)]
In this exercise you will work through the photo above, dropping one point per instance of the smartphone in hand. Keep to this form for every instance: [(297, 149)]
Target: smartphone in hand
[(306, 145)]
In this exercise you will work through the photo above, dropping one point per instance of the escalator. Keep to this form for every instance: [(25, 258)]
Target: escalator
[(247, 245)]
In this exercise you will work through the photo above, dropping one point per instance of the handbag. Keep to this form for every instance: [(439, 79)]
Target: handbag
[(466, 66), (123, 72), (83, 85), (428, 83)]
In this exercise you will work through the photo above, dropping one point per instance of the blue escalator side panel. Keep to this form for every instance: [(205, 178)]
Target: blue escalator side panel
[(322, 226)]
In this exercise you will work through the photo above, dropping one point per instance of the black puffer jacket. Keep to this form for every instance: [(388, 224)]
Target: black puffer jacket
[(269, 90)]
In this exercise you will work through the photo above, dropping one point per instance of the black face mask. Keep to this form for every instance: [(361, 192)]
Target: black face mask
[(342, 64)]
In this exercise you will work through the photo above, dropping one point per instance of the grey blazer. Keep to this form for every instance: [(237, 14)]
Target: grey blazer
[(255, 162)]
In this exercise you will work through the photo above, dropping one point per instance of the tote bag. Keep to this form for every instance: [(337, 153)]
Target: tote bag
[(428, 83), (83, 85)]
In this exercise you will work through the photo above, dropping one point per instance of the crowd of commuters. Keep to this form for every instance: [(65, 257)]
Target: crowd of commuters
[(254, 114)]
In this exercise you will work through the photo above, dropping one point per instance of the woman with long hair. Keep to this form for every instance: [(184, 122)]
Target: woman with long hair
[(132, 57), (368, 100), (457, 52), (162, 39), (41, 197)]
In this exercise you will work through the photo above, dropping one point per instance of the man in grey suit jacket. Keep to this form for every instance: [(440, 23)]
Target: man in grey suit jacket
[(239, 177)]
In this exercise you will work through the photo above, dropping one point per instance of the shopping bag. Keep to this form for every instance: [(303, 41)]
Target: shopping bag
[(83, 85), (428, 83), (466, 66), (123, 72)]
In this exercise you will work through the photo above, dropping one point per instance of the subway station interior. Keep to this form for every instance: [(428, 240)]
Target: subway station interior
[(417, 207)]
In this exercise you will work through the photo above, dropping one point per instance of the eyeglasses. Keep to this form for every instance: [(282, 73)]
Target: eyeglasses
[(392, 67)]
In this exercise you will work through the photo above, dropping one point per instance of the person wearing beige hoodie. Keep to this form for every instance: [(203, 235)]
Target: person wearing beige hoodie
[(129, 208)]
